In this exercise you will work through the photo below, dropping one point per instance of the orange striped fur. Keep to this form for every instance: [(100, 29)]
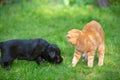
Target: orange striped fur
[(88, 40)]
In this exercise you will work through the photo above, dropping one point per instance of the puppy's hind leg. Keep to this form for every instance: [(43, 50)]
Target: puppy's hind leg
[(101, 54), (5, 61), (6, 64)]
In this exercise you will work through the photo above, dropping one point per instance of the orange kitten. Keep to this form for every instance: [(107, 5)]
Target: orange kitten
[(88, 40)]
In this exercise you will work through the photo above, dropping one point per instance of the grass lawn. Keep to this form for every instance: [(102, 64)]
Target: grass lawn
[(52, 22)]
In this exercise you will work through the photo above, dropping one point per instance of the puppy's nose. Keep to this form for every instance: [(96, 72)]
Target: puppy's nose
[(60, 60)]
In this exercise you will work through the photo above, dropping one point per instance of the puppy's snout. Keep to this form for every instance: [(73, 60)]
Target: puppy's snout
[(59, 60)]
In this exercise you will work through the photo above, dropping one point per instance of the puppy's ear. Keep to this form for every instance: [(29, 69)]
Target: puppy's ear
[(56, 48)]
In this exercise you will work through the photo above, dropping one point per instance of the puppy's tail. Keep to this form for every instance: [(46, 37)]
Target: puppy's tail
[(1, 44)]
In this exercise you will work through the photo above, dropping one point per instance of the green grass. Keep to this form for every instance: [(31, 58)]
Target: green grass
[(52, 22)]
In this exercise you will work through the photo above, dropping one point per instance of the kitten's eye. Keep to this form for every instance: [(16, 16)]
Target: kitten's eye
[(68, 37)]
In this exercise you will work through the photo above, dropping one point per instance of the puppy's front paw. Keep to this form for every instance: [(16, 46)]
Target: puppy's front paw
[(39, 60)]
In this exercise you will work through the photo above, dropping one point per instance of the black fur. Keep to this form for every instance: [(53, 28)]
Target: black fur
[(32, 50)]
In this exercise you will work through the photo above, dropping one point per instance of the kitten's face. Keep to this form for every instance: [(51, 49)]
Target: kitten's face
[(73, 36)]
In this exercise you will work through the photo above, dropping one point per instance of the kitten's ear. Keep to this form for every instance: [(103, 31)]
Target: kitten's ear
[(78, 33)]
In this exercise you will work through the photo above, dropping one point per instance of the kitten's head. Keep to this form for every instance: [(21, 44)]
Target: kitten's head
[(73, 36)]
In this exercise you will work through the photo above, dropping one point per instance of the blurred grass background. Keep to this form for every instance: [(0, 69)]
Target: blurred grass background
[(51, 20)]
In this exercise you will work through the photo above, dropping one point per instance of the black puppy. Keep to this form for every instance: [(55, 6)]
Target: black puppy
[(32, 50)]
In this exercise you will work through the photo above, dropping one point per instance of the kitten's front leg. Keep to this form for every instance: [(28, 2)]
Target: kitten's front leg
[(76, 57)]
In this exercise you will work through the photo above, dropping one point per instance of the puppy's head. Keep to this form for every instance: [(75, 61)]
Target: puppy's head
[(53, 54), (73, 35)]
